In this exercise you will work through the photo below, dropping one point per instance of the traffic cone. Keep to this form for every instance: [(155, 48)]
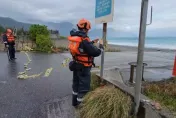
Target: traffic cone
[(174, 69)]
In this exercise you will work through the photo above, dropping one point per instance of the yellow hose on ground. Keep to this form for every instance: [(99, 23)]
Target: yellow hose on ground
[(48, 72), (25, 76), (65, 62)]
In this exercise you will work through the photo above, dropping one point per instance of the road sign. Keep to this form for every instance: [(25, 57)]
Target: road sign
[(104, 11)]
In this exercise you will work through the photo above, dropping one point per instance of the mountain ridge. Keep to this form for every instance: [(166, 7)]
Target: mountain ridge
[(63, 27)]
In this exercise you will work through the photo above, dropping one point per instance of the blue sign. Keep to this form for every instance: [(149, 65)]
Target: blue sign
[(103, 8)]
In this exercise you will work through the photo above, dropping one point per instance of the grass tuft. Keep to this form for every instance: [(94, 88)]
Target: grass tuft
[(106, 102)]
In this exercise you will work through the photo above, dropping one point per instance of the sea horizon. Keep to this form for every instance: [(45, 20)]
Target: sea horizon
[(150, 42)]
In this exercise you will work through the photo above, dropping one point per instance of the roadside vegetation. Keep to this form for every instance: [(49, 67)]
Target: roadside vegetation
[(60, 49), (65, 48), (163, 91), (40, 35), (118, 104), (105, 102), (63, 37), (2, 29)]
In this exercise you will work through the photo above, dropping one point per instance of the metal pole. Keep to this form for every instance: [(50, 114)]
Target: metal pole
[(142, 33), (103, 52)]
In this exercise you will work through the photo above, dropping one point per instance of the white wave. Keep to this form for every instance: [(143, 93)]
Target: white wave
[(158, 46), (161, 46)]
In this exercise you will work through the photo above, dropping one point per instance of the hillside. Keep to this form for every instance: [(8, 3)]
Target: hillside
[(63, 27), (8, 22)]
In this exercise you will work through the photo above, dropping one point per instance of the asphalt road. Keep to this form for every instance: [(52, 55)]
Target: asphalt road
[(24, 98)]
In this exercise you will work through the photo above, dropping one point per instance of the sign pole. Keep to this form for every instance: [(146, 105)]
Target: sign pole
[(142, 33), (103, 52)]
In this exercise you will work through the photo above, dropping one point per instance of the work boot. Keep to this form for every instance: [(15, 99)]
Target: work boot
[(10, 59), (14, 58), (79, 101), (74, 100)]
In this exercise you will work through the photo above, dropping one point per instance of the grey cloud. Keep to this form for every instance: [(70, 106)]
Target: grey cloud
[(126, 13)]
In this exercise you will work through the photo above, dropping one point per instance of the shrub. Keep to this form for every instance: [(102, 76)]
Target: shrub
[(43, 43)]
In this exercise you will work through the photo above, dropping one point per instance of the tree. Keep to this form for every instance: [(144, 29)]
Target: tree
[(2, 29), (37, 29)]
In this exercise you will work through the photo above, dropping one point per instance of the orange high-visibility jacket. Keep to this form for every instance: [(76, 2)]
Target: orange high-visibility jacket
[(74, 44), (10, 38)]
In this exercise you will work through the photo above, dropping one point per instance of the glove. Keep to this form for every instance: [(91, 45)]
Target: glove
[(101, 44), (6, 46), (95, 40)]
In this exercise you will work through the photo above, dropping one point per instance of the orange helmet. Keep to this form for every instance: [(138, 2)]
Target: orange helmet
[(9, 31), (84, 24)]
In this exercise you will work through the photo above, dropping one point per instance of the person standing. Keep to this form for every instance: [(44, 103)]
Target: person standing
[(83, 52), (9, 41)]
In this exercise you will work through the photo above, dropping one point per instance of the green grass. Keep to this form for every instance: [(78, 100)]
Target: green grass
[(167, 101), (95, 82), (63, 37), (163, 91)]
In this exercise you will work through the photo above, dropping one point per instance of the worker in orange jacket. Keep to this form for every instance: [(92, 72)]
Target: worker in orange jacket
[(83, 52), (9, 41)]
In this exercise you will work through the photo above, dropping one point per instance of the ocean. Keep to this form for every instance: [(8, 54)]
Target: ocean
[(150, 42)]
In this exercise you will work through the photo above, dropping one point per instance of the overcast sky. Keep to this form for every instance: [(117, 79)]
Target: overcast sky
[(126, 16)]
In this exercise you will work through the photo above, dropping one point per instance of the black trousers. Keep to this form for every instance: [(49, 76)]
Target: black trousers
[(11, 51), (81, 84)]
